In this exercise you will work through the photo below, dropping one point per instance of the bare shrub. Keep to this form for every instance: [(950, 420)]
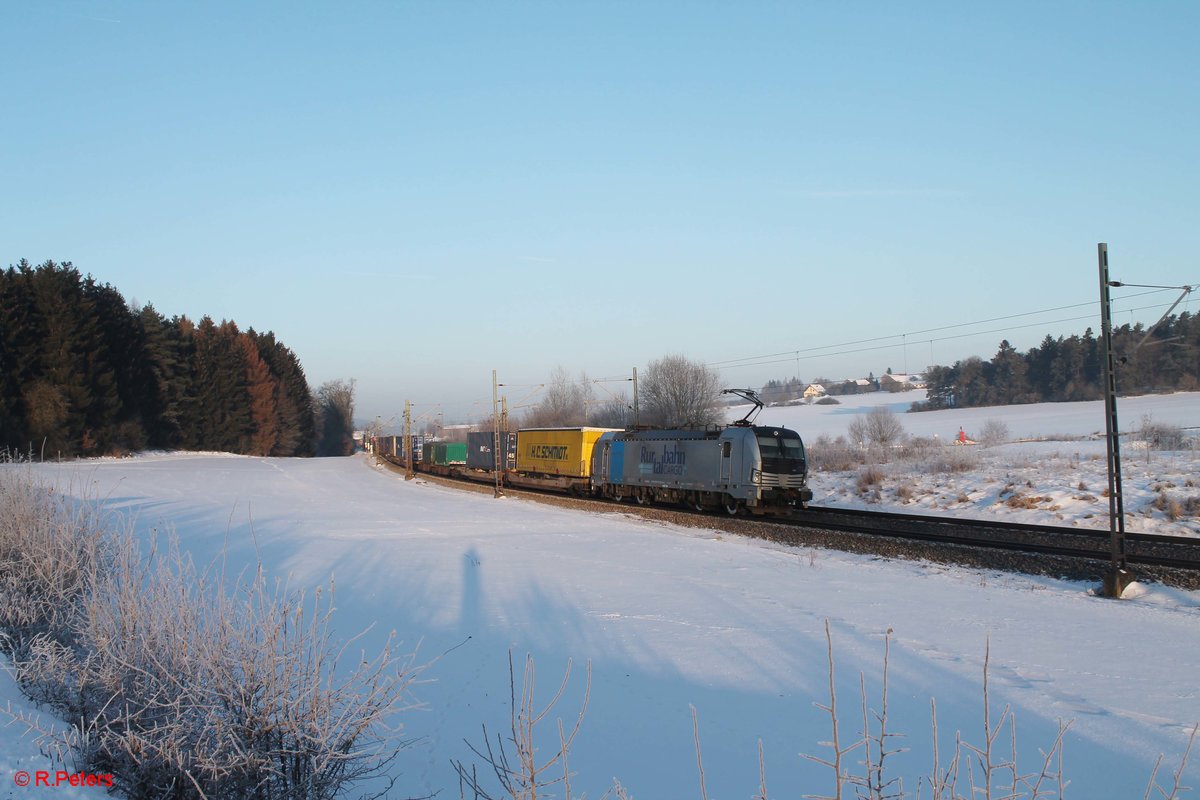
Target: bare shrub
[(994, 432), (179, 688), (950, 460), (857, 431), (1162, 436), (834, 455), (514, 762), (919, 448), (51, 552), (881, 428)]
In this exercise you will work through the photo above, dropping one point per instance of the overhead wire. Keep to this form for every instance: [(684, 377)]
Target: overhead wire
[(825, 351)]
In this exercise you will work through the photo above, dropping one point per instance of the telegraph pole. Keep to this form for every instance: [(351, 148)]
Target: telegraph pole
[(408, 465), (1118, 574), (499, 461)]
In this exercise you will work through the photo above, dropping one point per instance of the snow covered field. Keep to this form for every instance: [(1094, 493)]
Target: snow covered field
[(1056, 463), (673, 617)]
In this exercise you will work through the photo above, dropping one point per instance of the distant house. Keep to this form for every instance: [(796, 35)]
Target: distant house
[(813, 391), (901, 382)]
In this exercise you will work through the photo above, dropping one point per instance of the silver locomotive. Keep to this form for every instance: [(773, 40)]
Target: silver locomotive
[(760, 468)]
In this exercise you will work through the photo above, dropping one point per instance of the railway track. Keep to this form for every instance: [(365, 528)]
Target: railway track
[(1056, 551), (1142, 549)]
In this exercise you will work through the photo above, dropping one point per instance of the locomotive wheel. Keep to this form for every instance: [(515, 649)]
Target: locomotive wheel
[(642, 497), (732, 505)]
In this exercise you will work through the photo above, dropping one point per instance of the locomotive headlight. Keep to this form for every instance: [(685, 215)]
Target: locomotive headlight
[(756, 476)]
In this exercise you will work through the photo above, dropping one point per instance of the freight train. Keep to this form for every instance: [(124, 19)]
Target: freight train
[(740, 467)]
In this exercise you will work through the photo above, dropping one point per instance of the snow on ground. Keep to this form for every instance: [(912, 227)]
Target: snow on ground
[(673, 617), (1055, 470), (20, 752)]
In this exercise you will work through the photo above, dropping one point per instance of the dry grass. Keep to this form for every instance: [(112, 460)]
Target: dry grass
[(179, 686), (869, 477), (858, 754), (1174, 507)]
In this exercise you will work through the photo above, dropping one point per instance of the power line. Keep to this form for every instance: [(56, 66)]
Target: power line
[(819, 351)]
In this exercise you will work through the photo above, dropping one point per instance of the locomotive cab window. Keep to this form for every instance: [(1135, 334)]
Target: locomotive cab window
[(726, 449), (781, 447)]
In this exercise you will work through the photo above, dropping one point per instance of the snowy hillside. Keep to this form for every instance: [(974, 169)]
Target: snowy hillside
[(1053, 469), (672, 618)]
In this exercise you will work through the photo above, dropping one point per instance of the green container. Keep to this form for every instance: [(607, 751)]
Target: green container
[(443, 454)]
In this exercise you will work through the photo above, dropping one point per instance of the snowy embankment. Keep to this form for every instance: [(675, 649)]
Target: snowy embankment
[(672, 618)]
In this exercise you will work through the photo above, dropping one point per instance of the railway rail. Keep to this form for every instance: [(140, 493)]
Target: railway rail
[(1055, 551)]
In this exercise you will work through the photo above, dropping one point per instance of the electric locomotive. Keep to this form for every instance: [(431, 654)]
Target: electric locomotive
[(759, 468)]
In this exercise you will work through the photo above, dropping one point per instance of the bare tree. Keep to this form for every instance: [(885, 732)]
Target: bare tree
[(880, 428), (565, 401), (616, 412), (678, 391), (335, 418)]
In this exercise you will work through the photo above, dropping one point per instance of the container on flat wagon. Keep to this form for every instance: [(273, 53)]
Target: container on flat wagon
[(557, 451), (444, 453), (479, 450)]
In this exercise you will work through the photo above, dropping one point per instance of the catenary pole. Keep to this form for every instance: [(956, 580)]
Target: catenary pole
[(1118, 575), (497, 459), (408, 448)]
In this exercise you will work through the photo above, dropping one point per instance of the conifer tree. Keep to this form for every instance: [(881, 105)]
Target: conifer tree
[(261, 389)]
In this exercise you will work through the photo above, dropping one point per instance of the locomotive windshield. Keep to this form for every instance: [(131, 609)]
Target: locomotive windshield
[(780, 443), (782, 451)]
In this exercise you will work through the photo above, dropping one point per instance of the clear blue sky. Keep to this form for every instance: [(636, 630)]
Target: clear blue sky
[(415, 193)]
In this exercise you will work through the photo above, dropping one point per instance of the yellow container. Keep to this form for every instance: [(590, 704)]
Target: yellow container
[(557, 451)]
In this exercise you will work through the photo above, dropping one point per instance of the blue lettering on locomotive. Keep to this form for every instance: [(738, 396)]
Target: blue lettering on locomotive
[(671, 460)]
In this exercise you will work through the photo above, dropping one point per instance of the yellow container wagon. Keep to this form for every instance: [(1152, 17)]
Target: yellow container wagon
[(554, 452)]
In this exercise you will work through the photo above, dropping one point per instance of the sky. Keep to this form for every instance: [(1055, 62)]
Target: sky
[(414, 194)]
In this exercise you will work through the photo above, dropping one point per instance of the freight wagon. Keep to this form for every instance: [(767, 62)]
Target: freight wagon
[(556, 458), (443, 458), (480, 446)]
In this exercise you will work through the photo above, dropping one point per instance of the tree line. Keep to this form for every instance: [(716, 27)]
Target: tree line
[(1069, 368), (83, 374), (673, 391)]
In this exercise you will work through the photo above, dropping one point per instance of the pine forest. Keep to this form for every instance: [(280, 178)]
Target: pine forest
[(84, 374)]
